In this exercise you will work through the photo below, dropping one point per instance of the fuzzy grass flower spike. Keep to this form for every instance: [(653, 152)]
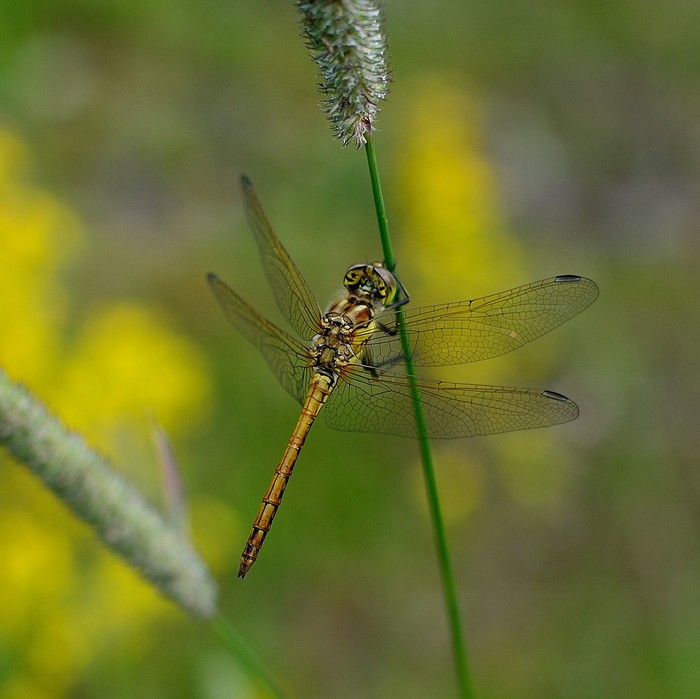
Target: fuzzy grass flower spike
[(346, 40)]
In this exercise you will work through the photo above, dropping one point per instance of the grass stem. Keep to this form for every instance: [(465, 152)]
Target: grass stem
[(449, 589)]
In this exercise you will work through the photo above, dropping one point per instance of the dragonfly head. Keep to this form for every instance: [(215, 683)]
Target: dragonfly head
[(373, 281)]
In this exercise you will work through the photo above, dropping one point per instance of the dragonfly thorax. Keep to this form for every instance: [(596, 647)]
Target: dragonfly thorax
[(342, 333), (373, 282)]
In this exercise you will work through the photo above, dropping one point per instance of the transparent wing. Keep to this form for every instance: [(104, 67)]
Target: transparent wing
[(363, 403), (287, 357), (469, 331), (291, 291)]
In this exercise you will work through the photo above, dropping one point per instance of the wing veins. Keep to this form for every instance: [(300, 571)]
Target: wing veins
[(292, 292)]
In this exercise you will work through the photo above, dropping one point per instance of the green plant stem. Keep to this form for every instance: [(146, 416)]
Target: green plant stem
[(450, 593), (382, 219), (238, 649)]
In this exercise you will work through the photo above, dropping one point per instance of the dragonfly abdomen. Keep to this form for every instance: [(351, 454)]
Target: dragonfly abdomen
[(320, 388)]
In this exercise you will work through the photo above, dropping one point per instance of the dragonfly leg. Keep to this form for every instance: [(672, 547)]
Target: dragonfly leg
[(404, 296), (390, 330), (373, 367)]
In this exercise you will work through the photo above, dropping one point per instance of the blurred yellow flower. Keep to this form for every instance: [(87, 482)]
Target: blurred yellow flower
[(29, 552), (457, 246), (38, 236), (457, 243), (127, 365), (127, 362)]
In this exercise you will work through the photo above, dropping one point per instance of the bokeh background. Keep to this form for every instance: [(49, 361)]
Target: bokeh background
[(519, 141)]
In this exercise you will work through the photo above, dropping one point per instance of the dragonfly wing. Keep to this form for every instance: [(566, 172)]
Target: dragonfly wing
[(384, 405), (291, 290), (287, 357), (470, 331)]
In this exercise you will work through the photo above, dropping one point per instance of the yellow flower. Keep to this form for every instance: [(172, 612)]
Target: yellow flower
[(455, 239), (38, 235), (128, 365), (456, 246)]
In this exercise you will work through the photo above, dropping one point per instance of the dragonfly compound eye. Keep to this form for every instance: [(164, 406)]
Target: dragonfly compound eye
[(387, 285), (355, 276), (373, 280)]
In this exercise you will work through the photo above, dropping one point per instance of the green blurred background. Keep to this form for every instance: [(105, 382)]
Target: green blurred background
[(519, 141)]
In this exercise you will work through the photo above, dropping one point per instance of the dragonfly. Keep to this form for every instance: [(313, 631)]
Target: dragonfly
[(348, 360)]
